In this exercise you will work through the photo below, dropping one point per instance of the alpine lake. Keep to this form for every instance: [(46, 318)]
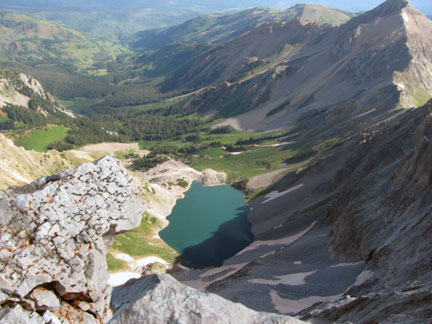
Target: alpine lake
[(208, 226)]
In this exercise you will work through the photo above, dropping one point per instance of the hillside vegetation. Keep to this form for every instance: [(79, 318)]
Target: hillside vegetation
[(37, 42)]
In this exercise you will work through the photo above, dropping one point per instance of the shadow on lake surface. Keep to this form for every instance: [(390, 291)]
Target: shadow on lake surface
[(230, 238), (209, 225)]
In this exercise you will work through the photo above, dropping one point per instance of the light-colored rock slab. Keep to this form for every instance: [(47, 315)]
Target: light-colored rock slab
[(157, 299)]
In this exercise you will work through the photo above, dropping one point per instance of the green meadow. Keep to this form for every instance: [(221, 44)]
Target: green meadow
[(39, 139), (139, 242)]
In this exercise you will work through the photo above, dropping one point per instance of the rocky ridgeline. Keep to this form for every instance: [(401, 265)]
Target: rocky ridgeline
[(55, 233), (157, 299)]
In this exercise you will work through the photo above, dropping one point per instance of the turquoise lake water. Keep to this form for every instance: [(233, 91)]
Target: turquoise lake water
[(208, 225)]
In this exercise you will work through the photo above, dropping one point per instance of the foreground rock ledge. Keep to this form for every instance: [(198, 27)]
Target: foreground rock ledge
[(55, 233), (159, 298)]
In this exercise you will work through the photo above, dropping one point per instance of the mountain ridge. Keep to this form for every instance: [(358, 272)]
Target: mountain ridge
[(217, 28), (350, 62)]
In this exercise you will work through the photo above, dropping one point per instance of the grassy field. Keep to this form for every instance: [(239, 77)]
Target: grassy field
[(257, 161), (39, 139), (140, 243)]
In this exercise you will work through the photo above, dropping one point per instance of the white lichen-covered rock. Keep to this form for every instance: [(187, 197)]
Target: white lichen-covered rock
[(159, 299), (44, 299), (55, 233), (17, 314)]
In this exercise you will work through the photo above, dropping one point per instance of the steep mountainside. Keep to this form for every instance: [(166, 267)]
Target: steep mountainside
[(18, 166), (34, 41), (351, 232), (264, 46), (24, 91), (377, 61), (218, 28)]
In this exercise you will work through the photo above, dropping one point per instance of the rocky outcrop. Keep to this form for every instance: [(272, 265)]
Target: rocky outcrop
[(171, 171), (167, 182), (19, 89), (55, 233), (157, 299)]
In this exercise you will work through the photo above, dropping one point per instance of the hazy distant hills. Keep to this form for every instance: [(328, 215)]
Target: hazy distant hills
[(216, 28), (36, 42), (203, 6), (116, 20), (120, 20), (117, 25)]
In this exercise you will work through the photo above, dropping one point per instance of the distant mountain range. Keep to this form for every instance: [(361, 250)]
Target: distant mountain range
[(203, 6), (118, 20), (216, 28)]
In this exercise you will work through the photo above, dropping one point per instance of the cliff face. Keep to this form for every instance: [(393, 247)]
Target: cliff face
[(19, 90), (384, 218), (56, 232)]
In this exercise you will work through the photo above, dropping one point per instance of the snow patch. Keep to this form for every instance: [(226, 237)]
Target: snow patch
[(366, 113), (363, 277), (117, 279), (149, 260), (124, 257), (405, 17), (275, 194), (292, 279), (277, 144), (20, 178)]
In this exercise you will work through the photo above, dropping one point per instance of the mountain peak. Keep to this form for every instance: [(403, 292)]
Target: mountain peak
[(390, 7)]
